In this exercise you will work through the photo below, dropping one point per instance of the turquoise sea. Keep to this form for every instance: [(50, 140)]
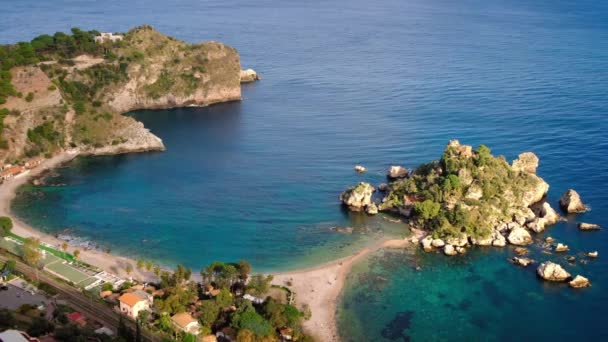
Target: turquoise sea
[(345, 83)]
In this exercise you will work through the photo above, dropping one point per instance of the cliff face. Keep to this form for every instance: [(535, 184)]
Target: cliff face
[(78, 103)]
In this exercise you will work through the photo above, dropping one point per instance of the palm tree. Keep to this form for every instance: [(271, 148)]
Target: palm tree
[(76, 254), (148, 265), (157, 270), (64, 247), (140, 264)]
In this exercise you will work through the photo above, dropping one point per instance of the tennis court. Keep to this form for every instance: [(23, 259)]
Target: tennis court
[(66, 271)]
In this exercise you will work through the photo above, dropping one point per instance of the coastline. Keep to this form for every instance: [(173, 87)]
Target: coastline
[(105, 261), (320, 287)]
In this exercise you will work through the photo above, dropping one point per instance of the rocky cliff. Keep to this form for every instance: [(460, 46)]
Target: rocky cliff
[(72, 95)]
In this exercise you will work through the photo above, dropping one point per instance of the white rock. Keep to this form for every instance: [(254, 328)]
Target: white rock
[(427, 243), (589, 226), (519, 236), (592, 254), (579, 281), (358, 197), (438, 243), (249, 75), (397, 171), (449, 250), (526, 162), (371, 209), (561, 248), (552, 271), (360, 168)]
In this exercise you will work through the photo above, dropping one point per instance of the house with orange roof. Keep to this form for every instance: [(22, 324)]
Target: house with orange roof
[(186, 323), (11, 172), (132, 303)]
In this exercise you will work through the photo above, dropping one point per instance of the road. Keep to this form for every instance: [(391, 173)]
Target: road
[(92, 309)]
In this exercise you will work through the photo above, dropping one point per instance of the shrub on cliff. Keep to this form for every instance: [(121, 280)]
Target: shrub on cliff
[(6, 225)]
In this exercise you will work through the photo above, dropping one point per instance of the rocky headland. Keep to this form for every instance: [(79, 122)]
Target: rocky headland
[(68, 92)]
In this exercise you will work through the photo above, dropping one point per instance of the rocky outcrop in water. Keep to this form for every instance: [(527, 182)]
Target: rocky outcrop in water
[(519, 237), (579, 282), (552, 272), (571, 202), (396, 171), (359, 197), (589, 226), (249, 75)]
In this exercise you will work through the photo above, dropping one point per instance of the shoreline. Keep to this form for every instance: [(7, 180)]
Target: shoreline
[(319, 287), (105, 261)]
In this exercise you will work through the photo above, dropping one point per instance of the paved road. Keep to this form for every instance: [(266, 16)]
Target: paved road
[(90, 308)]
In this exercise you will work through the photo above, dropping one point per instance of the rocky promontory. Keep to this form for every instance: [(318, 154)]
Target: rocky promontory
[(69, 91)]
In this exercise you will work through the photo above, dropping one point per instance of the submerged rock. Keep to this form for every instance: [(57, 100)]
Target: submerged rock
[(552, 272), (522, 261), (357, 198), (570, 202), (383, 187), (521, 251), (519, 236), (589, 226), (397, 171), (579, 282)]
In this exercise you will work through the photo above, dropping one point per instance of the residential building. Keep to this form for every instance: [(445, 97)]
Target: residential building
[(104, 36), (12, 335), (186, 323), (11, 172), (131, 303)]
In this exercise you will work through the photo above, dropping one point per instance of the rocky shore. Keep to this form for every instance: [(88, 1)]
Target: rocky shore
[(471, 198)]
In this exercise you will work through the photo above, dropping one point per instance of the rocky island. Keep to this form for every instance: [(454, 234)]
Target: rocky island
[(68, 91)]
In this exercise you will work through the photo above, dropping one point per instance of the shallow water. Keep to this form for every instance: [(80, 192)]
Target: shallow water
[(345, 83)]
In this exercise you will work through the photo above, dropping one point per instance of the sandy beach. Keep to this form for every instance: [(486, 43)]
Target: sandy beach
[(320, 287), (105, 261)]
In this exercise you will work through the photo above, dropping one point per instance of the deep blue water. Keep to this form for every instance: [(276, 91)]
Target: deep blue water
[(356, 82)]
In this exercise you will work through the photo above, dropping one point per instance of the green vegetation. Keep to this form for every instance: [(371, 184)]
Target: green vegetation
[(465, 192), (6, 224), (31, 254)]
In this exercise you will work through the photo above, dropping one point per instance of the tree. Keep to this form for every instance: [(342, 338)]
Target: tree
[(224, 298), (6, 224), (427, 210), (148, 265), (64, 247), (76, 254), (31, 251), (208, 312), (253, 321), (140, 264), (259, 284), (10, 265), (157, 270), (244, 269)]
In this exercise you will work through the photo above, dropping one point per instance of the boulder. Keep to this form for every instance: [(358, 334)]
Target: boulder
[(438, 243), (249, 75), (499, 241), (561, 248), (571, 259), (526, 162), (592, 254), (589, 226), (461, 241), (371, 209), (549, 239), (449, 250), (360, 168), (522, 261), (358, 197), (521, 251), (570, 202), (549, 214), (579, 281), (552, 272), (461, 250), (397, 171), (482, 242), (383, 187), (427, 243), (519, 236)]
